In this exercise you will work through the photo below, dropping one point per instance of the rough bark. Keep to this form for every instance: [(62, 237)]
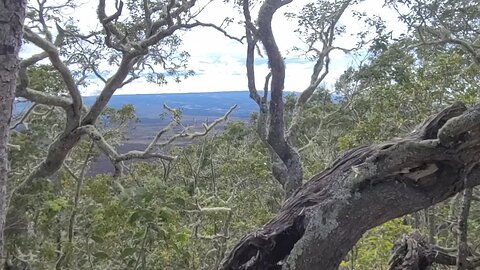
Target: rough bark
[(364, 188), (12, 16)]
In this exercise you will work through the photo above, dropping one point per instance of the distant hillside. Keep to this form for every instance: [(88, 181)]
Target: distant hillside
[(202, 105), (197, 108), (193, 105)]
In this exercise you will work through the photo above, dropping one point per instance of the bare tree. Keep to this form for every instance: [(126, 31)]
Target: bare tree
[(12, 16)]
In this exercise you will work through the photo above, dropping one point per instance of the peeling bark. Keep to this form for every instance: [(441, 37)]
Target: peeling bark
[(364, 188), (12, 16)]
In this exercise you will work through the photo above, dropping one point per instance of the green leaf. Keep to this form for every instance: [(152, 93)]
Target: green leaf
[(97, 239), (166, 214), (101, 255), (182, 237), (127, 252), (134, 217), (180, 201)]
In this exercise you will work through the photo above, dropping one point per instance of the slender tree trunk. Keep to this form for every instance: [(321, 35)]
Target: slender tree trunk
[(12, 15), (462, 263)]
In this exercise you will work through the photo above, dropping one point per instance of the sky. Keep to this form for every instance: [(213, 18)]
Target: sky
[(219, 62)]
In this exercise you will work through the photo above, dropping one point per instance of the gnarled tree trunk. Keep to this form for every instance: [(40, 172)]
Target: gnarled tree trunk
[(12, 15), (364, 188)]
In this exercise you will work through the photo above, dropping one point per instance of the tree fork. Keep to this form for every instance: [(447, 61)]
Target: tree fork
[(364, 188)]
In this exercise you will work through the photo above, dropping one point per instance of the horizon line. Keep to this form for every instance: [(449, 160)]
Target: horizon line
[(180, 93)]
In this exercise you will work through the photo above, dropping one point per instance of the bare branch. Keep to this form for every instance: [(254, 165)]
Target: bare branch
[(148, 153), (24, 117), (111, 31), (166, 129), (110, 151), (33, 59), (322, 63), (221, 30), (250, 62), (41, 19), (209, 127)]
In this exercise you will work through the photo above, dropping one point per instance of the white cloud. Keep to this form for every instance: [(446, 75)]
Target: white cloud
[(219, 61)]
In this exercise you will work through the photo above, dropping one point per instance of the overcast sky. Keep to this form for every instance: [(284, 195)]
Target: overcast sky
[(219, 62)]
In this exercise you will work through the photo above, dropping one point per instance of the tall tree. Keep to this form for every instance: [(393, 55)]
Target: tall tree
[(319, 28), (12, 16)]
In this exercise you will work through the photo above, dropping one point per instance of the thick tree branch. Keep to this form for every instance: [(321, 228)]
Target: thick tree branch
[(166, 18), (364, 188), (38, 96), (114, 38), (285, 161), (113, 83)]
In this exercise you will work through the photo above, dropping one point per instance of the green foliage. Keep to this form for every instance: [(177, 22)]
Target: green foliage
[(374, 249), (45, 78), (183, 214)]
